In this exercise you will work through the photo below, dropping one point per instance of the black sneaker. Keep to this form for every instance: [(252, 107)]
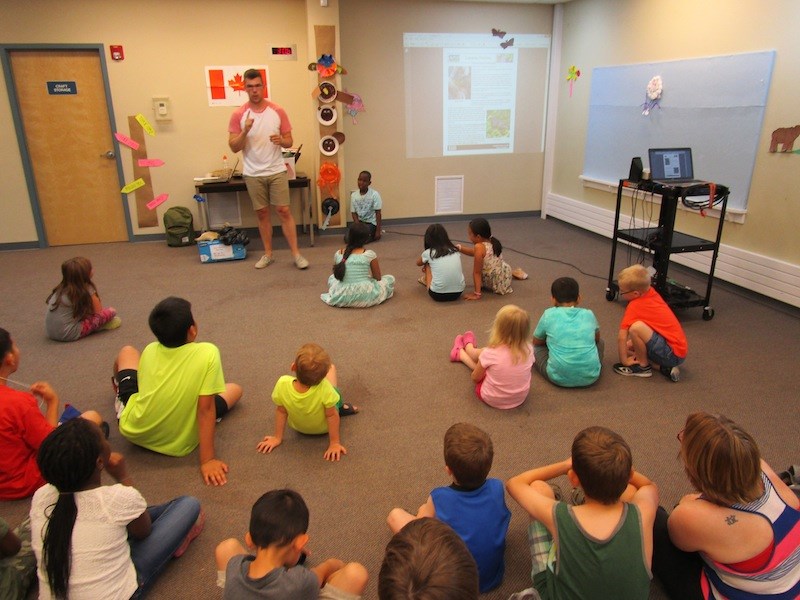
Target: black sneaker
[(634, 370), (673, 373)]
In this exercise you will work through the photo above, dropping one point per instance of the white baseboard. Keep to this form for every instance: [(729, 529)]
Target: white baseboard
[(773, 278)]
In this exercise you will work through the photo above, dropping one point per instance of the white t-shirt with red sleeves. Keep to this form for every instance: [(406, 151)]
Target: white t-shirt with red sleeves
[(506, 384), (260, 156)]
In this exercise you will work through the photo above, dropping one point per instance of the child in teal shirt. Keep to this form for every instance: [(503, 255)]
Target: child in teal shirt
[(566, 341)]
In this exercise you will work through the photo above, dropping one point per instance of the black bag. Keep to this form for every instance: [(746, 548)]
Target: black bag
[(791, 477), (179, 226)]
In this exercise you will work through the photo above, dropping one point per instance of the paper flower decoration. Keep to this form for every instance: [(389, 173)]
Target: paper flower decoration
[(329, 176), (326, 66), (653, 95), (572, 77)]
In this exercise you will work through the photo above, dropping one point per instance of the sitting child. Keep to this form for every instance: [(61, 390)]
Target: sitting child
[(473, 505), (74, 309), (502, 370), (17, 561), (649, 331), (23, 426), (170, 398), (566, 341), (101, 541), (441, 266), (366, 205), (489, 270), (310, 401), (277, 535), (604, 547), (356, 281), (426, 559)]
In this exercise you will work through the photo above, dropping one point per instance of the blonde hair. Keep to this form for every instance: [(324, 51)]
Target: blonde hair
[(312, 363), (721, 459), (634, 277), (512, 328)]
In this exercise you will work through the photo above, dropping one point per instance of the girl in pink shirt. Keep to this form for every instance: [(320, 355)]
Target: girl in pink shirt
[(501, 370)]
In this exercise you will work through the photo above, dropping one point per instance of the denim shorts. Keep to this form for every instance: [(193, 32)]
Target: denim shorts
[(660, 352)]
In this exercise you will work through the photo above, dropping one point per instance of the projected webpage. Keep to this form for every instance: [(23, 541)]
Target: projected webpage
[(474, 93)]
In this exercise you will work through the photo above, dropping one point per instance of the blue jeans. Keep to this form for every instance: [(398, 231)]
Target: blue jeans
[(171, 523), (660, 352)]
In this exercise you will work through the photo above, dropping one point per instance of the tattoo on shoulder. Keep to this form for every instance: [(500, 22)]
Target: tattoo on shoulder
[(731, 519)]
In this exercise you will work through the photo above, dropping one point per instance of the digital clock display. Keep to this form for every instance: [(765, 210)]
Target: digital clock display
[(284, 52)]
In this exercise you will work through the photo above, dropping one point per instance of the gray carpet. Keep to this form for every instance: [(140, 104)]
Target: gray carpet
[(393, 363)]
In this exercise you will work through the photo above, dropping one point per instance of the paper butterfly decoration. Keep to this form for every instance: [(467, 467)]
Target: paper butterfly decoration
[(498, 33), (505, 45)]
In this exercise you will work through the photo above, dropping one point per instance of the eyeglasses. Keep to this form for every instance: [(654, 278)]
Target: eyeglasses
[(254, 86), (621, 293)]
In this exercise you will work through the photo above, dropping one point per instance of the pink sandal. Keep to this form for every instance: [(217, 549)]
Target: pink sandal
[(469, 338), (455, 353)]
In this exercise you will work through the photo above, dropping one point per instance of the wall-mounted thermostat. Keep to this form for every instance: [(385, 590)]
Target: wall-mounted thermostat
[(162, 109), (283, 52)]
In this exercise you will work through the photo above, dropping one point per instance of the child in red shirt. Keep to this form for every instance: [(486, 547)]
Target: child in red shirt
[(649, 332)]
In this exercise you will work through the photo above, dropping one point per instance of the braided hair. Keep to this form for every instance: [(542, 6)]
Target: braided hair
[(67, 459), (357, 236), (481, 227)]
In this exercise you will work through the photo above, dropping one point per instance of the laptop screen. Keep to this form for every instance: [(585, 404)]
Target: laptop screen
[(671, 163)]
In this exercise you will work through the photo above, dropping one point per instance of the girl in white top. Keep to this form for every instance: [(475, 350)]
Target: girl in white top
[(502, 369), (80, 529)]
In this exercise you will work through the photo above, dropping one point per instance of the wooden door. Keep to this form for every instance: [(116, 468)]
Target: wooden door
[(69, 139)]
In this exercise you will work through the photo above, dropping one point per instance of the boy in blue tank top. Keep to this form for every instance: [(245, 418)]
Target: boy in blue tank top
[(606, 543), (472, 505)]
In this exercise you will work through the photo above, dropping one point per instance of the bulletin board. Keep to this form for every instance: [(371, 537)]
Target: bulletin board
[(713, 105)]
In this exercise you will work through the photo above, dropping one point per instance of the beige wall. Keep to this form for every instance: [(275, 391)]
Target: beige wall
[(615, 32), (167, 44)]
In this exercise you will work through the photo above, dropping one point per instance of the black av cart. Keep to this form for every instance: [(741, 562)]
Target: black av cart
[(663, 241)]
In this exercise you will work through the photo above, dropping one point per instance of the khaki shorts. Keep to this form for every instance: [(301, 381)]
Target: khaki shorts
[(268, 190)]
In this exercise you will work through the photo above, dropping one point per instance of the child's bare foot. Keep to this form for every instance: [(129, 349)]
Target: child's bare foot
[(519, 274)]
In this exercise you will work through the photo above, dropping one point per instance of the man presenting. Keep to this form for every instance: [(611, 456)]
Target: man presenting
[(260, 129)]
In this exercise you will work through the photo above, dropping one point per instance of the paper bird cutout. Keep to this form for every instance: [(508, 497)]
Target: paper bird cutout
[(326, 66), (505, 45), (498, 33)]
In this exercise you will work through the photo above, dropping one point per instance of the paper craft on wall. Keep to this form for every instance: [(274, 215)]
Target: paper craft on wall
[(225, 85), (148, 129), (572, 77), (785, 137)]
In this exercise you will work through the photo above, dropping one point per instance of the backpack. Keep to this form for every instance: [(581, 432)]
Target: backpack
[(179, 226)]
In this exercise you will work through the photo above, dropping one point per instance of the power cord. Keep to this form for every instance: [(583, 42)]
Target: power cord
[(520, 252)]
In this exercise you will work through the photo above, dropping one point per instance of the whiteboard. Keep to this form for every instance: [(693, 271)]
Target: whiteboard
[(713, 105)]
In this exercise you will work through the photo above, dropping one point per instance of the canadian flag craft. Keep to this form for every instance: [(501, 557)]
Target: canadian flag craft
[(226, 84)]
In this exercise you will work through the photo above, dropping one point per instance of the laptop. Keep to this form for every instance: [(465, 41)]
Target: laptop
[(672, 166)]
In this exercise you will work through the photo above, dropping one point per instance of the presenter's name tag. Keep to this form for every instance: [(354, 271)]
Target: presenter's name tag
[(61, 88)]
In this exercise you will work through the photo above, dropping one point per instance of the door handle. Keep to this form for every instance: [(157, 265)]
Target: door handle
[(109, 155)]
